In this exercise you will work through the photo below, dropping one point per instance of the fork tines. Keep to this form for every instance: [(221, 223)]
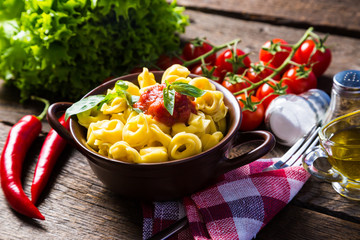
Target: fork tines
[(292, 156)]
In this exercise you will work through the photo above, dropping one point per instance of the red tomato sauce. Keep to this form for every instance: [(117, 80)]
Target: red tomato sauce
[(152, 102)]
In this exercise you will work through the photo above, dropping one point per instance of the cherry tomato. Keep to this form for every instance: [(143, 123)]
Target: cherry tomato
[(253, 112), (194, 49), (315, 54), (235, 83), (275, 52), (300, 79), (210, 72), (259, 71), (165, 61), (266, 93), (226, 62)]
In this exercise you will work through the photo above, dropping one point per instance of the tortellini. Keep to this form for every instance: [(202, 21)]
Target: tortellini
[(125, 115), (90, 116), (105, 131), (210, 140), (153, 154), (146, 79), (202, 83), (158, 137), (196, 124), (118, 131), (117, 105), (137, 131), (212, 103), (176, 73), (184, 145), (122, 151)]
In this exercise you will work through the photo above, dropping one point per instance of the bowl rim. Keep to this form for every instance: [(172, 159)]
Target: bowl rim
[(231, 131)]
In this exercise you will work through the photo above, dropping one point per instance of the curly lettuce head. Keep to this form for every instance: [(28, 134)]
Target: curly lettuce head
[(61, 49)]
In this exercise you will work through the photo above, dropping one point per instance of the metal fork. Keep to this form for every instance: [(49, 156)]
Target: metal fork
[(291, 158)]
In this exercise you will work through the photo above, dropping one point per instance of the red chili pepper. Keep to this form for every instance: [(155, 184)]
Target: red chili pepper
[(50, 152), (19, 140)]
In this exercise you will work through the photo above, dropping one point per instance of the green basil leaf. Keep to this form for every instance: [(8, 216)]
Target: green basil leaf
[(121, 85), (167, 83), (137, 110), (169, 99), (84, 105), (108, 98), (131, 99), (187, 89)]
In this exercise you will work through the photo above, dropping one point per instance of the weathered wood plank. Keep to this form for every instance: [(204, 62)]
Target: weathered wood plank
[(329, 15), (298, 223), (321, 197), (11, 110)]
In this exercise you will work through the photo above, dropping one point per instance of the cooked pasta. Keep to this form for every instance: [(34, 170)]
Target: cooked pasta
[(146, 79), (89, 116), (202, 83), (184, 145), (122, 151), (119, 130), (175, 73), (105, 131), (212, 103), (136, 131), (125, 115), (212, 126), (117, 105), (196, 124), (158, 137), (210, 140), (153, 154)]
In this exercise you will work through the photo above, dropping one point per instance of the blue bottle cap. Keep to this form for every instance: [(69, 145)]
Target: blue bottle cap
[(349, 79)]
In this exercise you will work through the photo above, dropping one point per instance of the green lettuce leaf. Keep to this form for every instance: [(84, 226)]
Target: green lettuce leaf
[(61, 49)]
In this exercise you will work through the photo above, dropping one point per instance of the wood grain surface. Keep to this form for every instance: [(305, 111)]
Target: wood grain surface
[(77, 206), (329, 15)]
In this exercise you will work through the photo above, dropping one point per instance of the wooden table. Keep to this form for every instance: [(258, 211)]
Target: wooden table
[(77, 206)]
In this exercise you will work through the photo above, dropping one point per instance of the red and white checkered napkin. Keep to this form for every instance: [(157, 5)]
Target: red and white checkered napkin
[(241, 203)]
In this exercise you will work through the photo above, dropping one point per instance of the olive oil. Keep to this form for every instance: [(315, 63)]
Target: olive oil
[(345, 156)]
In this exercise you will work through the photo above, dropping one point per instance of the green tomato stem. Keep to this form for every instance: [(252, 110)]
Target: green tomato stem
[(212, 51), (282, 66)]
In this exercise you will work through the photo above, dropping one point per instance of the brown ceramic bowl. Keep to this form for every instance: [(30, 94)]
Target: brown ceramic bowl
[(168, 180)]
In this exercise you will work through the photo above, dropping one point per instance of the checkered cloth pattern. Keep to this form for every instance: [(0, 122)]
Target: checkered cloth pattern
[(238, 206)]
